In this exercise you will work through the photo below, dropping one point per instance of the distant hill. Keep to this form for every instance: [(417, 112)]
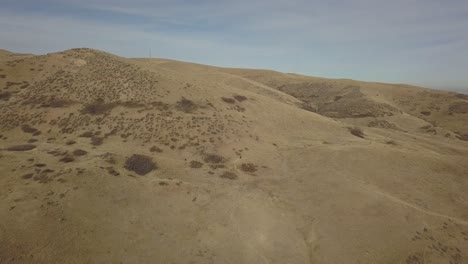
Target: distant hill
[(107, 159)]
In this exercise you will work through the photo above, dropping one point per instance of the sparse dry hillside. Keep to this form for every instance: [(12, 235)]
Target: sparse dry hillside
[(112, 160)]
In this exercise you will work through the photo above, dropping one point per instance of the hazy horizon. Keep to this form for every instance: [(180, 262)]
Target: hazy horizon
[(416, 42)]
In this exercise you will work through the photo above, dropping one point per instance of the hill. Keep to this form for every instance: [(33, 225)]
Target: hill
[(112, 160)]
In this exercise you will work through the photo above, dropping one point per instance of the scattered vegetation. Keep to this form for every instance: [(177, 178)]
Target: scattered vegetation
[(459, 108), (140, 164)]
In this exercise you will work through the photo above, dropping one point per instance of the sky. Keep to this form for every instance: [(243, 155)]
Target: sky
[(421, 42)]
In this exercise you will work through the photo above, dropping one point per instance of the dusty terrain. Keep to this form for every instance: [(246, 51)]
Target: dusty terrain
[(112, 160)]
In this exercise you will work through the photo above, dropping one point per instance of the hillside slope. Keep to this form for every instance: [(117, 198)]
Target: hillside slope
[(112, 160)]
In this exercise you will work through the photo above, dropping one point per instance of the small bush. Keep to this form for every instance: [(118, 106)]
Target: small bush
[(29, 129), (5, 96), (21, 147), (97, 141), (391, 142), (213, 158), (70, 142), (57, 103), (196, 164), (112, 171), (140, 164), (228, 100), (67, 159), (186, 105), (86, 134), (79, 152), (248, 167), (426, 113), (240, 98), (27, 176), (356, 132), (228, 175), (156, 149), (99, 107)]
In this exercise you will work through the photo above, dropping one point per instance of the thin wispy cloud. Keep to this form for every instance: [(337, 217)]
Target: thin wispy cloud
[(412, 41)]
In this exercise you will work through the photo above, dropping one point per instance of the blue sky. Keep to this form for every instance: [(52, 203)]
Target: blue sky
[(422, 42)]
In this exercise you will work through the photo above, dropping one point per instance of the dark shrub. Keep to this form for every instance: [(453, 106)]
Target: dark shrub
[(86, 134), (67, 159), (29, 129), (228, 175), (5, 96), (228, 100), (70, 142), (459, 108), (79, 152), (155, 149), (426, 113), (99, 107), (186, 105), (240, 98), (248, 167), (27, 176), (213, 158), (21, 147), (196, 164), (96, 141), (356, 132), (140, 164)]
